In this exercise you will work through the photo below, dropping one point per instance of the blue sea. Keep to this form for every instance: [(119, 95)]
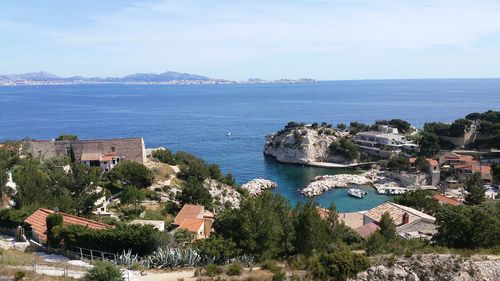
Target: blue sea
[(196, 118)]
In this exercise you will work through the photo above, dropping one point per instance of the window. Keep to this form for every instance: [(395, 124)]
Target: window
[(67, 149), (113, 149), (114, 161)]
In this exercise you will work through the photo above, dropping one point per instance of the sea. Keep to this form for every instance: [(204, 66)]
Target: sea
[(197, 118)]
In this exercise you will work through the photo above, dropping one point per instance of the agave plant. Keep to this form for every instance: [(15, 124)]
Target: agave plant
[(169, 257), (246, 260), (126, 258)]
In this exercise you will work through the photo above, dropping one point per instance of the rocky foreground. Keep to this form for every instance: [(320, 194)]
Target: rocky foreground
[(376, 178), (435, 268), (256, 186)]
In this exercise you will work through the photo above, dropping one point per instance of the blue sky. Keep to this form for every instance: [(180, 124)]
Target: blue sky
[(326, 40)]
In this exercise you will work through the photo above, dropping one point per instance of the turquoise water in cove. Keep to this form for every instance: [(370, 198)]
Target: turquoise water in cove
[(196, 118)]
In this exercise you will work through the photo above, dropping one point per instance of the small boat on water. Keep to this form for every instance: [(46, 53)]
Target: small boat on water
[(356, 192), (228, 134)]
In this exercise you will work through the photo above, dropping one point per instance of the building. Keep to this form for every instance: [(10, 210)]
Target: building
[(38, 219), (446, 200), (195, 219), (410, 223), (104, 153), (465, 165), (384, 142), (433, 169)]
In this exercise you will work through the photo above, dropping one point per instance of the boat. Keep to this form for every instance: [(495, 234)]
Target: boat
[(228, 134), (356, 192)]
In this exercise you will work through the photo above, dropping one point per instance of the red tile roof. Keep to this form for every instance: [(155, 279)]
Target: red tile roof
[(37, 220), (192, 211), (446, 200), (367, 230), (431, 162), (396, 212), (192, 224)]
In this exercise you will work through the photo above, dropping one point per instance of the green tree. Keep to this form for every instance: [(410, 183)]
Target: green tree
[(387, 227), (193, 192), (104, 271), (216, 248), (341, 126), (165, 156), (67, 137), (398, 163), (131, 173), (345, 148), (52, 221), (72, 154), (496, 173), (458, 127), (475, 190), (429, 144), (421, 164), (421, 200), (32, 181), (311, 231), (338, 265)]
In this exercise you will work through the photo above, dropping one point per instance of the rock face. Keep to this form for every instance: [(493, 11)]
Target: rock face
[(256, 186), (222, 194), (435, 268), (303, 145), (321, 184)]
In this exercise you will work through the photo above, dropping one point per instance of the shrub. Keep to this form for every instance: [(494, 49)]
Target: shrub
[(345, 148), (19, 275), (10, 218), (234, 269), (212, 269), (165, 156), (104, 271), (278, 276), (131, 173), (52, 221), (270, 265), (339, 265)]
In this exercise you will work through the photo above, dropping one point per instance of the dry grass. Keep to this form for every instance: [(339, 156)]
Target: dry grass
[(161, 171), (9, 273)]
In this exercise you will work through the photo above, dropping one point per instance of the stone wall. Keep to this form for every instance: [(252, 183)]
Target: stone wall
[(129, 148)]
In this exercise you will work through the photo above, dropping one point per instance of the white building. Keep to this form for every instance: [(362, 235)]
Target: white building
[(384, 142)]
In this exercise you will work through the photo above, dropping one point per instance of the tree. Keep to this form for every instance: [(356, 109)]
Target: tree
[(311, 231), (421, 164), (345, 148), (217, 248), (429, 144), (387, 227), (104, 271), (458, 127), (398, 163), (72, 154), (496, 173), (52, 221), (421, 200), (32, 181), (131, 173), (193, 192), (165, 156), (475, 190), (341, 126), (67, 137), (468, 226)]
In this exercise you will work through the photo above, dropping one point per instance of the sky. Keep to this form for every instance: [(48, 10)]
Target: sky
[(269, 39)]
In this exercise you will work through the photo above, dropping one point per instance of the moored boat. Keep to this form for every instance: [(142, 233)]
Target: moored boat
[(356, 192)]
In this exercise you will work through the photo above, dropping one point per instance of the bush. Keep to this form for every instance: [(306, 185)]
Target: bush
[(278, 276), (10, 218), (270, 265), (234, 269), (165, 156), (131, 173), (19, 275), (52, 221), (212, 270), (104, 271), (339, 265), (345, 148)]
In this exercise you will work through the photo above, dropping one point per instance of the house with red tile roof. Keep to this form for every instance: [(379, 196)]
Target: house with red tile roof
[(195, 219), (465, 165), (410, 223), (37, 221), (433, 170), (446, 200)]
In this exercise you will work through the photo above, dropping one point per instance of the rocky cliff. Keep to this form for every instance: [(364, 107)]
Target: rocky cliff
[(303, 144), (434, 268)]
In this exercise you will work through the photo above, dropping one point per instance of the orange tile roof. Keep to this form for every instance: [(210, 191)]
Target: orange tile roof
[(396, 212), (367, 230), (431, 162), (189, 211), (446, 200), (37, 220), (192, 224)]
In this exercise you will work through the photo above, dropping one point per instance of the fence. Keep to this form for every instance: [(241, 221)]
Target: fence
[(52, 269), (89, 254)]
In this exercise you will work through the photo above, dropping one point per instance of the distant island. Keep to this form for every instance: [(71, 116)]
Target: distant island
[(168, 77)]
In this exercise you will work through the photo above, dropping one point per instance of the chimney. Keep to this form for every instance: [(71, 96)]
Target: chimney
[(406, 218)]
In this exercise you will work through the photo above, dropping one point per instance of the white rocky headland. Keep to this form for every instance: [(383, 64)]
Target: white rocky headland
[(304, 144), (256, 186)]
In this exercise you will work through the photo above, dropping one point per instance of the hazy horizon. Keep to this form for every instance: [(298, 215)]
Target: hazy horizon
[(323, 40)]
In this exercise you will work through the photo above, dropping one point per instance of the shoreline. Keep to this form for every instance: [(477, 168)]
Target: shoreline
[(323, 164)]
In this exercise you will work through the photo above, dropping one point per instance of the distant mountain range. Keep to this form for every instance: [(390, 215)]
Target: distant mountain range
[(168, 77)]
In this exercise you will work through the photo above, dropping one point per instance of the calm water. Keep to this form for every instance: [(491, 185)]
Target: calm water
[(196, 118)]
